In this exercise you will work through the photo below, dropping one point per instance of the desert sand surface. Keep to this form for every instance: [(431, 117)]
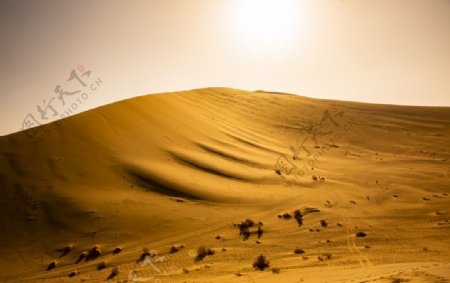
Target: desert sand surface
[(128, 192)]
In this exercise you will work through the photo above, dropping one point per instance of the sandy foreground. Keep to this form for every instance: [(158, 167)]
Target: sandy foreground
[(136, 187)]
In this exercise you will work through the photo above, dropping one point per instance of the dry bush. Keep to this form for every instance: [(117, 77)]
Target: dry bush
[(202, 252), (360, 234), (261, 263), (114, 272)]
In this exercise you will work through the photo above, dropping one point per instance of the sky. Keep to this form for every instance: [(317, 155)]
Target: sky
[(60, 58)]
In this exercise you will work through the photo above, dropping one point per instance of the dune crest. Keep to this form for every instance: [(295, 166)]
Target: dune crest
[(164, 169)]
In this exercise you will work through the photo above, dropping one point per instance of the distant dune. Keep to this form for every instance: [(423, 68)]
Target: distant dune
[(171, 172)]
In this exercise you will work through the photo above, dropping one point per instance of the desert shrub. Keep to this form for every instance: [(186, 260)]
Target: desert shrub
[(93, 253), (249, 223), (323, 223), (261, 263), (145, 254), (360, 234), (52, 265), (175, 248), (82, 256), (73, 273), (260, 230), (244, 228), (202, 252), (64, 251), (117, 250), (308, 210), (101, 265), (299, 251), (275, 270), (298, 216), (286, 216), (114, 272)]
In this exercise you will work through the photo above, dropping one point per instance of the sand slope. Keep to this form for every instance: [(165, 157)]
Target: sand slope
[(182, 168)]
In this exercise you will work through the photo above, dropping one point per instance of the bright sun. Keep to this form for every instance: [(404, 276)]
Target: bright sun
[(264, 25)]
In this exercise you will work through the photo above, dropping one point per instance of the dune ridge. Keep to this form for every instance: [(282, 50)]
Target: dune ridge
[(183, 167)]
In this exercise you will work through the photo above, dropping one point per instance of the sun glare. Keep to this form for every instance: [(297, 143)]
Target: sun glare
[(264, 25)]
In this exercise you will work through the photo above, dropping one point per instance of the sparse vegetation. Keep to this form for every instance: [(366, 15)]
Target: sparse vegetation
[(52, 265), (299, 217), (324, 256), (299, 251), (93, 253), (275, 270), (360, 234), (73, 273), (323, 223), (286, 216), (202, 252), (145, 253), (310, 210), (117, 250), (244, 228), (114, 272), (260, 230), (82, 256), (261, 263), (101, 265), (398, 280), (64, 251), (175, 248)]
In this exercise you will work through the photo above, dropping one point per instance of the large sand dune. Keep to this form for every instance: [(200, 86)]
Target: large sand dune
[(182, 168)]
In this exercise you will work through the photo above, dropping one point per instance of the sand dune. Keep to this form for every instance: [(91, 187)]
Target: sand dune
[(181, 168)]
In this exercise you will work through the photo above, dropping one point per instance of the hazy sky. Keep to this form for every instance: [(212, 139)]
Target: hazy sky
[(383, 51)]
